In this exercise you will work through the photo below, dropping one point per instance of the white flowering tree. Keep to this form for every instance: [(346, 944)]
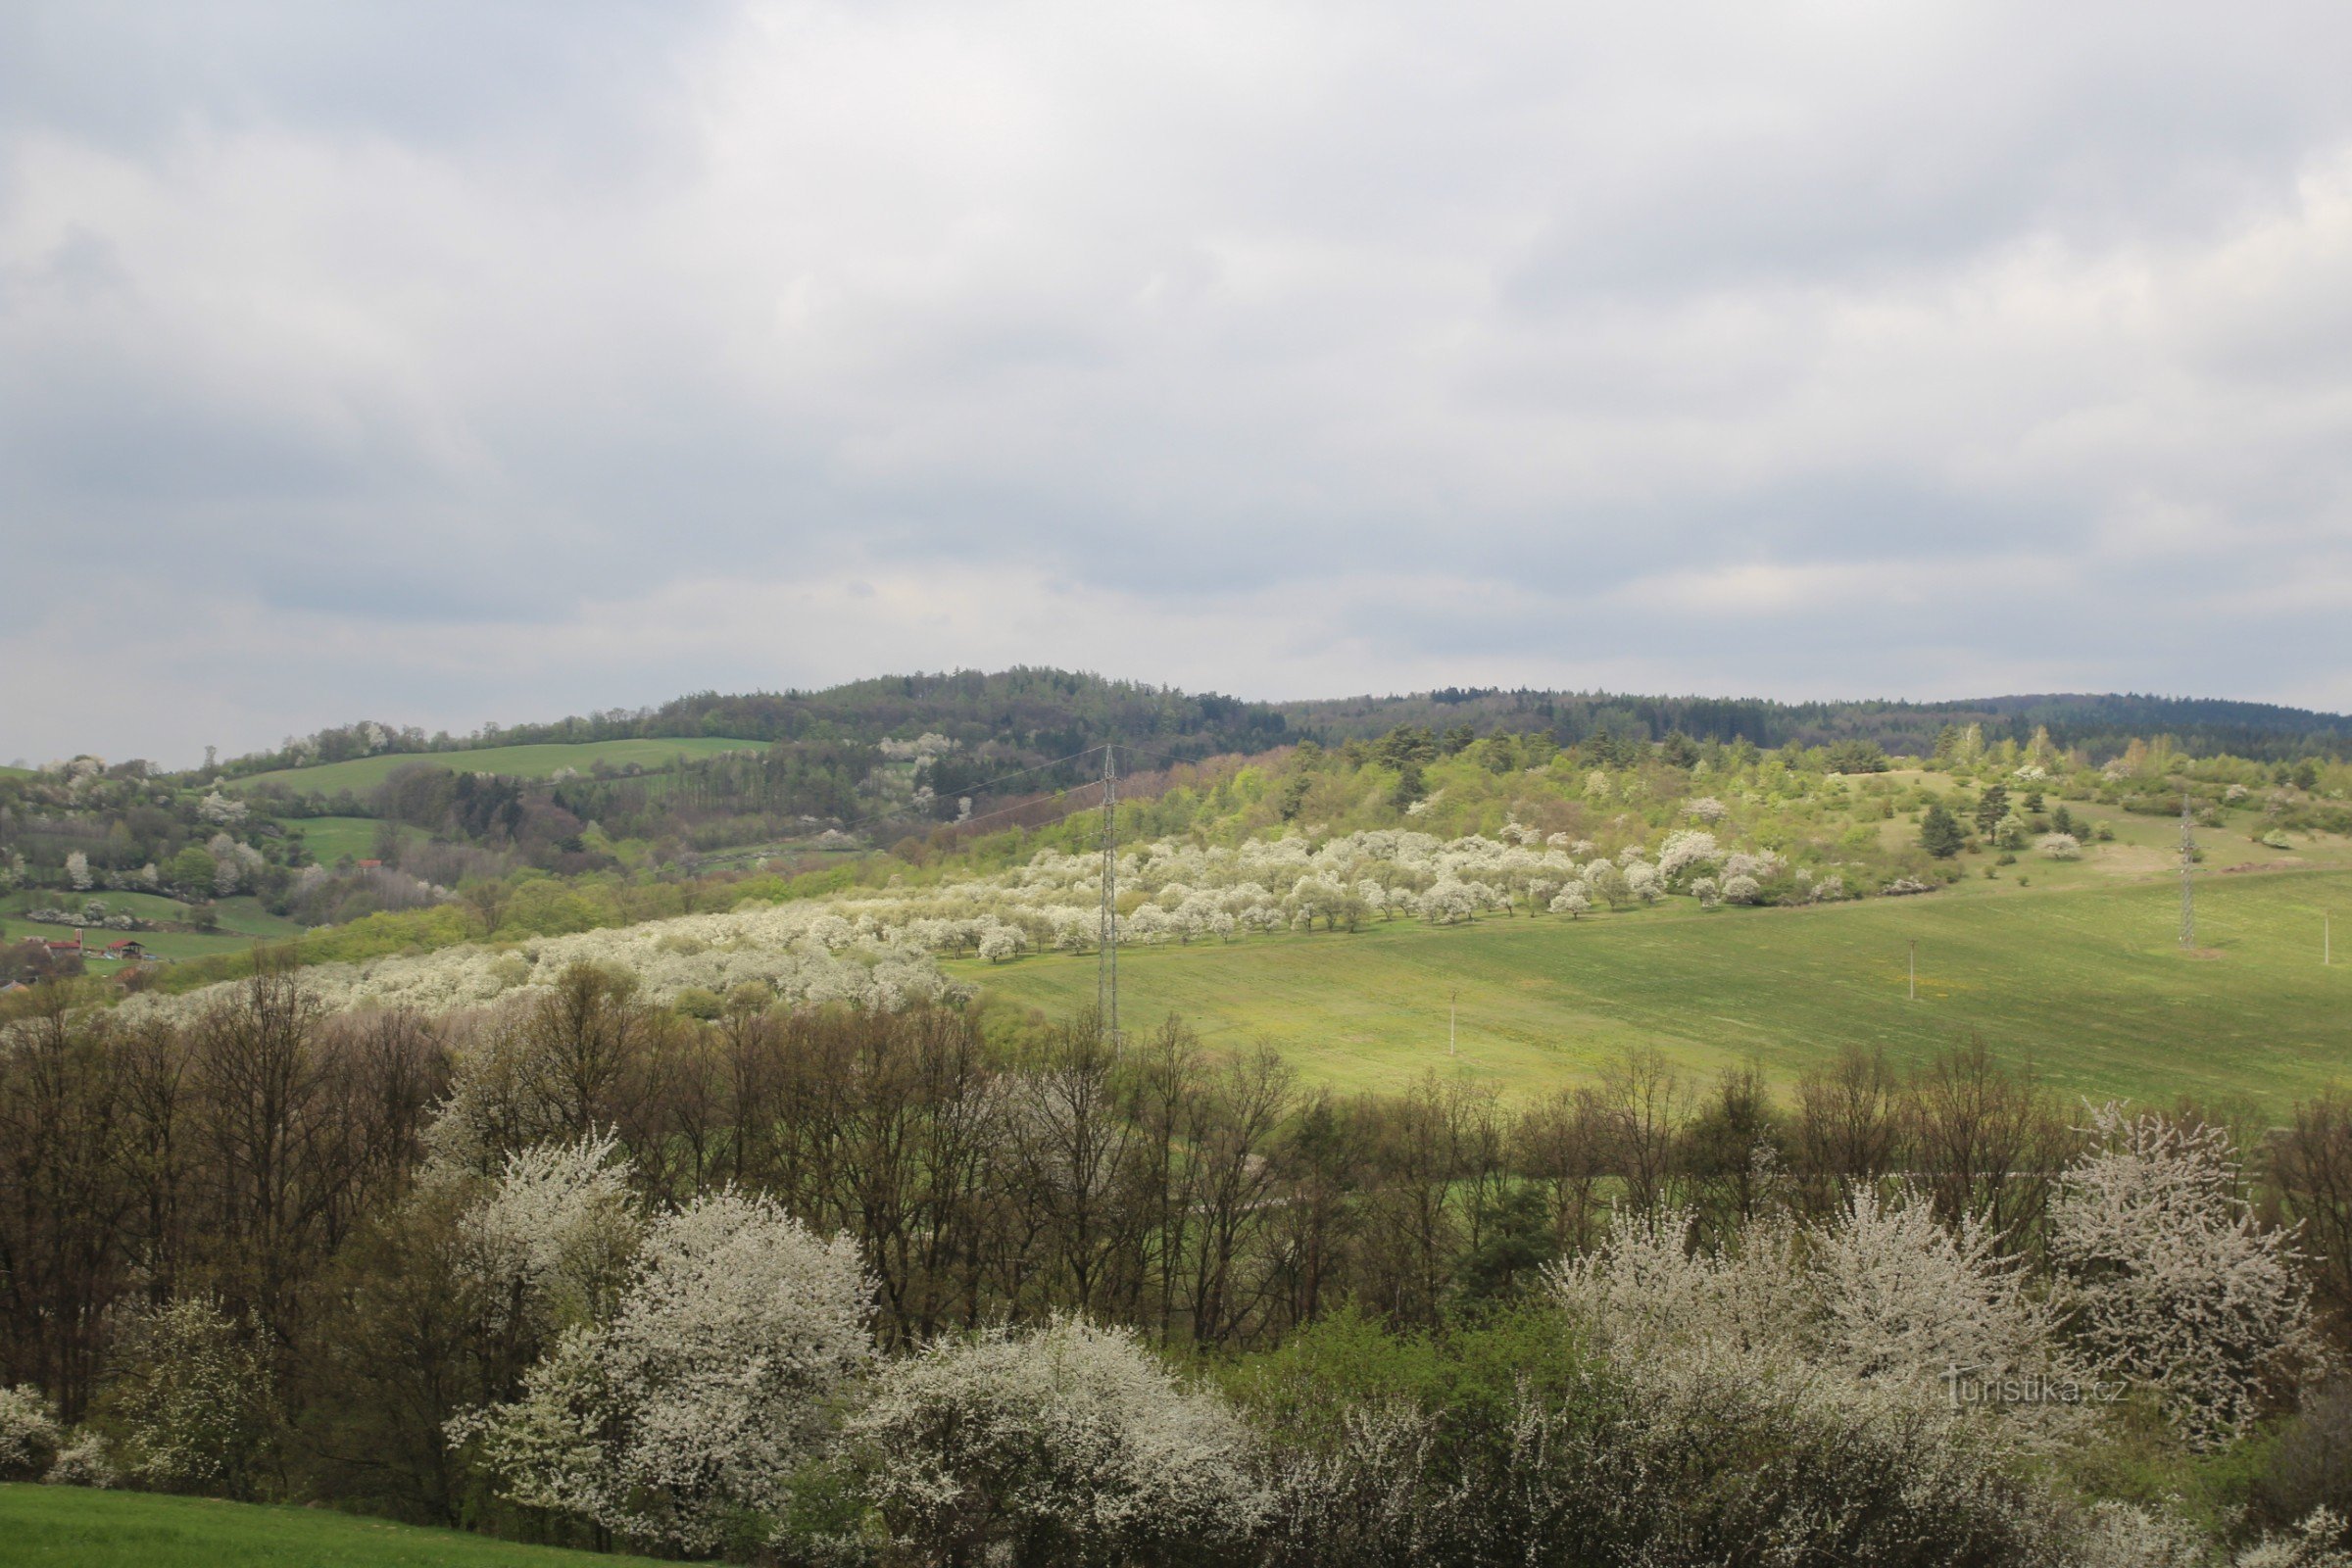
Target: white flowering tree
[(1898, 1297), (1879, 1305), (2061, 846), (691, 1406), (2177, 1283), (28, 1434), (77, 871), (1071, 1445), (220, 811), (555, 1238), (193, 1397), (1686, 849)]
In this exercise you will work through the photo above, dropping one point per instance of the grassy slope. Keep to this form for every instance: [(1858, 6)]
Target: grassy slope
[(2087, 980), (241, 919), (521, 762), (331, 838), (62, 1526)]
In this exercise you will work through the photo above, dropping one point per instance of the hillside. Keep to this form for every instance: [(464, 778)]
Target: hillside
[(72, 1527), (361, 773), (2086, 983), (1030, 715)]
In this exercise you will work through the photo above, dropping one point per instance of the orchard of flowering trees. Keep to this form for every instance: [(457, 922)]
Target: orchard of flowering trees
[(878, 948), (815, 1284)]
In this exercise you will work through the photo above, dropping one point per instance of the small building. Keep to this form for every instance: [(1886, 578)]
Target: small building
[(130, 948)]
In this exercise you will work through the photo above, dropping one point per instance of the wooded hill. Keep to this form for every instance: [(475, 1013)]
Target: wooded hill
[(1026, 715)]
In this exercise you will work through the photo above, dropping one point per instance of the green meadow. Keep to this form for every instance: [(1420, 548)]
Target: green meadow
[(331, 838), (241, 923), (72, 1527), (2086, 980), (363, 773)]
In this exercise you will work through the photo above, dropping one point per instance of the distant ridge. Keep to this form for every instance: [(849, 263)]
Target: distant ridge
[(1034, 712)]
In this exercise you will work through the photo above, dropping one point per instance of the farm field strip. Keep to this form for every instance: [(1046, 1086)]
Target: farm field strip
[(75, 1528), (541, 760), (2088, 982)]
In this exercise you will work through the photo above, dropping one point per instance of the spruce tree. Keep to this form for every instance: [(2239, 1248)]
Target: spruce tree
[(1991, 808), (1939, 832)]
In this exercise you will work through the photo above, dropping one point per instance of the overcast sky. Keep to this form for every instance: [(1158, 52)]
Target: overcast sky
[(443, 363)]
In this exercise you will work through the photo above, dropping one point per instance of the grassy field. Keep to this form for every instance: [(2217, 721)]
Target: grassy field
[(2087, 980), (69, 1526), (331, 838), (520, 762), (241, 921)]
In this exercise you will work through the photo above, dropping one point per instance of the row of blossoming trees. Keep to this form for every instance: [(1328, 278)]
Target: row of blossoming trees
[(879, 948), (845, 1285)]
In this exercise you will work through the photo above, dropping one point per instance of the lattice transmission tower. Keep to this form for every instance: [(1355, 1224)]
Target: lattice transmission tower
[(1106, 974), (2189, 890)]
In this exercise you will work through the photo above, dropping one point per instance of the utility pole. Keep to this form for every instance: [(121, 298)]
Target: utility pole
[(2326, 940), (1450, 1010), (1915, 969), (2189, 861), (1106, 971)]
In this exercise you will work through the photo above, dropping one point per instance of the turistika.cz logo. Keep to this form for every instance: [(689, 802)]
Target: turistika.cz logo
[(1971, 1389)]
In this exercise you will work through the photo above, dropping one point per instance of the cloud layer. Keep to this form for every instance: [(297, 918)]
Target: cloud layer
[(453, 362)]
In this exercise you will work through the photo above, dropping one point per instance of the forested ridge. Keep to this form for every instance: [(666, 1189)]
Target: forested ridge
[(1033, 715)]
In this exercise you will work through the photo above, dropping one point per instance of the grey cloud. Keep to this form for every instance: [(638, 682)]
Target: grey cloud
[(1277, 348)]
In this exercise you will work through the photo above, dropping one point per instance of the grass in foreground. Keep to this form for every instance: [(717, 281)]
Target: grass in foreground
[(67, 1524), (2088, 982), (363, 773)]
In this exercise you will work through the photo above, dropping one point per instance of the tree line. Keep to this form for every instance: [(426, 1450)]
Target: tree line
[(266, 1160)]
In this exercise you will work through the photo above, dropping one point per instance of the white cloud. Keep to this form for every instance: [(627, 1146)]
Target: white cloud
[(421, 363)]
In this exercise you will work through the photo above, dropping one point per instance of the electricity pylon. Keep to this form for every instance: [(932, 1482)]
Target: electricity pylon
[(2189, 861), (1106, 971)]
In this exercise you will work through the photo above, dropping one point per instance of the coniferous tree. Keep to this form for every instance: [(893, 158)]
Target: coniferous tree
[(1939, 832), (1992, 808)]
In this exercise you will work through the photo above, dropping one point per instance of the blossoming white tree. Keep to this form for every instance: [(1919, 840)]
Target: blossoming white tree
[(693, 1403), (1068, 1444), (553, 1239), (1880, 1297), (2178, 1283), (28, 1434)]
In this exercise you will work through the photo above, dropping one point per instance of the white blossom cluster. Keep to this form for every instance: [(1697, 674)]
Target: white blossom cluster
[(878, 949), (1072, 1437), (556, 1234), (233, 863), (694, 1396), (1881, 1306), (28, 1434), (2177, 1283), (220, 810), (922, 748), (801, 953)]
